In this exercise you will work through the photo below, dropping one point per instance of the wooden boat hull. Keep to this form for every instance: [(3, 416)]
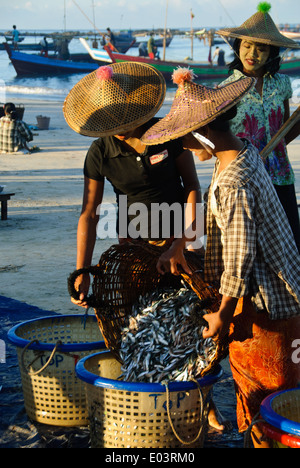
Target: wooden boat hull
[(30, 47), (203, 71), (30, 64), (166, 67)]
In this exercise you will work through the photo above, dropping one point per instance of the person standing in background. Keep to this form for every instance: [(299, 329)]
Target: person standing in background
[(15, 34), (263, 111), (44, 47), (220, 54), (152, 49), (111, 39)]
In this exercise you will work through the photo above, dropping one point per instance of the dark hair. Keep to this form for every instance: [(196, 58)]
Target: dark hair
[(10, 108), (272, 65), (222, 123)]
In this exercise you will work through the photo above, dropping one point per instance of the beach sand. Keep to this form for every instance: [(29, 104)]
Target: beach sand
[(38, 240)]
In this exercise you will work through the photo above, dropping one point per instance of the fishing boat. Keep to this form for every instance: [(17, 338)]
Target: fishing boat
[(98, 55), (30, 46), (166, 67), (291, 35), (123, 41), (159, 42), (33, 64), (203, 71)]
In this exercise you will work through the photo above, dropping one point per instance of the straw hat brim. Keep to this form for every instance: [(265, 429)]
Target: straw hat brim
[(260, 28), (282, 41), (130, 98), (195, 106)]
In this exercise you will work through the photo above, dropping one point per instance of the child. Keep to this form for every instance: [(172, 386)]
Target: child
[(251, 252)]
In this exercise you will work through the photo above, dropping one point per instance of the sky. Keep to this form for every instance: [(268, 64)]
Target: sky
[(136, 14)]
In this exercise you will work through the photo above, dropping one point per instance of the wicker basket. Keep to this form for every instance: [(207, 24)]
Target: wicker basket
[(127, 271), (48, 350), (143, 415)]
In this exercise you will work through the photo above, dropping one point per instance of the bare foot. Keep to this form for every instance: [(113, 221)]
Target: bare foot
[(216, 420)]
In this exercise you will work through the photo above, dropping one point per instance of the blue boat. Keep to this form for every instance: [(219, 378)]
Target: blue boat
[(31, 64)]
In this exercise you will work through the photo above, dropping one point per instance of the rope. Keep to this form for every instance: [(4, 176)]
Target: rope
[(26, 369), (247, 437), (201, 415)]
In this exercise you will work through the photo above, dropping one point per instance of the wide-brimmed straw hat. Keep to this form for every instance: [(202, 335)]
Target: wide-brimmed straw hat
[(115, 99), (194, 106), (260, 28)]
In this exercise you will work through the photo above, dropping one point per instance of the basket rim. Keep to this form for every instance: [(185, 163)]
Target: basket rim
[(275, 419), (283, 437), (22, 342), (145, 387)]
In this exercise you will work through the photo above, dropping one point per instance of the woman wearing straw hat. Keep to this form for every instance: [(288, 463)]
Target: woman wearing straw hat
[(265, 109), (251, 253), (117, 104)]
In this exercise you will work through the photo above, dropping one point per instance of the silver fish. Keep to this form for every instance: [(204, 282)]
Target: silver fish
[(163, 339)]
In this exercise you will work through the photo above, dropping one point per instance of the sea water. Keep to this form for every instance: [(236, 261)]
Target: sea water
[(13, 87)]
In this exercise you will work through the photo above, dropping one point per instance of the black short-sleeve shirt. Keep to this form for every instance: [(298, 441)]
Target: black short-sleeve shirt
[(148, 178)]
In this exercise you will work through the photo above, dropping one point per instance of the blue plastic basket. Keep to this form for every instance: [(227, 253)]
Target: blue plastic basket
[(143, 415), (282, 410), (48, 350)]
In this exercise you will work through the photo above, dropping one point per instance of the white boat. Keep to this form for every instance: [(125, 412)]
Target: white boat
[(97, 54), (291, 35)]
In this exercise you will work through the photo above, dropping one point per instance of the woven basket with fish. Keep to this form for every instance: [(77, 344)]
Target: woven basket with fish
[(126, 273)]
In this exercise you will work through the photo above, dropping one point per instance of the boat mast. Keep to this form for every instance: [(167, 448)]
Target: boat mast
[(95, 44), (192, 36), (65, 17), (165, 32)]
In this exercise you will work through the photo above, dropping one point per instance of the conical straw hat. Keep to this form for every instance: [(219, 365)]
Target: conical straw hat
[(114, 99), (194, 106), (260, 28)]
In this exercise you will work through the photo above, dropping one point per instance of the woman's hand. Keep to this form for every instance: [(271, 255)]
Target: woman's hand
[(82, 285), (219, 322), (171, 259), (217, 328)]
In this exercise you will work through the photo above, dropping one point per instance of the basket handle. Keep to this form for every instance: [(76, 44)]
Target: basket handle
[(201, 415), (90, 300), (26, 369)]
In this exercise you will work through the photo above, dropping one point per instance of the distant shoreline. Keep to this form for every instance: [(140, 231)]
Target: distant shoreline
[(135, 32)]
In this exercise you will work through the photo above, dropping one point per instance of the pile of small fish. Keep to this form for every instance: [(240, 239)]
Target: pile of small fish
[(163, 341)]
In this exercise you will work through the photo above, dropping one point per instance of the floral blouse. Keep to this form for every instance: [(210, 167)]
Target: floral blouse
[(260, 117)]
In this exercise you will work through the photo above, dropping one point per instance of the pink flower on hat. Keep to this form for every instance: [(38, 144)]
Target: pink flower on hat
[(183, 75), (104, 73)]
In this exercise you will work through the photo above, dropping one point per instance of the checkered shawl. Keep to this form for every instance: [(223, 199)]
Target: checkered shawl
[(257, 255), (13, 134)]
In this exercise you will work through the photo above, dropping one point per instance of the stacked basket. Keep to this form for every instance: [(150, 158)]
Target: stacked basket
[(131, 414), (48, 350)]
